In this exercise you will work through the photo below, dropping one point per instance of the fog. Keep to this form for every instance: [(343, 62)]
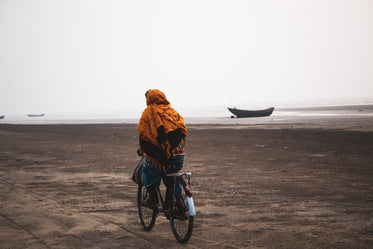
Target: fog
[(101, 56)]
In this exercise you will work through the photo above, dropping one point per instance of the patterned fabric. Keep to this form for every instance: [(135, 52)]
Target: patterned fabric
[(161, 128)]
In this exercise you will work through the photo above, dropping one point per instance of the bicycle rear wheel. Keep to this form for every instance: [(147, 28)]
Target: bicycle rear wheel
[(147, 215), (180, 220)]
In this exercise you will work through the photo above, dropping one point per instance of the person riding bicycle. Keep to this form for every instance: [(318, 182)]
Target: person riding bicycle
[(162, 134)]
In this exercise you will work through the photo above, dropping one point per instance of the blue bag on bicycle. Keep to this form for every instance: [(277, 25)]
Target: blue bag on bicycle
[(137, 173)]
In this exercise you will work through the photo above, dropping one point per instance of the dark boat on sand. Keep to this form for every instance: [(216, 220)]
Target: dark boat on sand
[(35, 115), (251, 113)]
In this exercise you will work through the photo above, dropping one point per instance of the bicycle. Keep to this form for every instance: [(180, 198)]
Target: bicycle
[(182, 212)]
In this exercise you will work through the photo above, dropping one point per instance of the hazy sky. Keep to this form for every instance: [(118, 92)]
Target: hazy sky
[(74, 56)]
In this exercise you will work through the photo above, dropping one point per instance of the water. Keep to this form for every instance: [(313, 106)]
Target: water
[(215, 116), (68, 119)]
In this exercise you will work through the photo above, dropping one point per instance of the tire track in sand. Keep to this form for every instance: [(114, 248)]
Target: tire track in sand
[(55, 213)]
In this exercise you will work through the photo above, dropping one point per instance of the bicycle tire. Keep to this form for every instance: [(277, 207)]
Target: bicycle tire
[(147, 216), (182, 229)]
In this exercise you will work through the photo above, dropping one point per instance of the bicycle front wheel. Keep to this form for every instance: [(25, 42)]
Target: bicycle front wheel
[(147, 215), (180, 220)]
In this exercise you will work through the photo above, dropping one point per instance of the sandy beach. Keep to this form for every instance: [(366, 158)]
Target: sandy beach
[(258, 185)]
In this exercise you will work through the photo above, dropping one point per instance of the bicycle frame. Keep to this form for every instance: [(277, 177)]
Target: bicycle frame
[(177, 176), (189, 195), (180, 209)]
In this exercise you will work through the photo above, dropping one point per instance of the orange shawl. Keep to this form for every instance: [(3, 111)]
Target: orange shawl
[(160, 125)]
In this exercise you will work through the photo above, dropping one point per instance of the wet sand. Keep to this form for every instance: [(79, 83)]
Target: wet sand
[(303, 185)]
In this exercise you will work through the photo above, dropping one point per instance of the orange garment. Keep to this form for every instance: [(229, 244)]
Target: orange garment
[(161, 125)]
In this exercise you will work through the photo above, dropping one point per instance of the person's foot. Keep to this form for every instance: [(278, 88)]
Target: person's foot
[(176, 214), (167, 213), (183, 216), (150, 204)]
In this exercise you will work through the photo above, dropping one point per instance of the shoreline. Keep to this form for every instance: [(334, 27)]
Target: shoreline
[(219, 116), (339, 122)]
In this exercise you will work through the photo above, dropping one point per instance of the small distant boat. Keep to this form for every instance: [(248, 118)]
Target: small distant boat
[(251, 113), (2, 117), (35, 115)]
